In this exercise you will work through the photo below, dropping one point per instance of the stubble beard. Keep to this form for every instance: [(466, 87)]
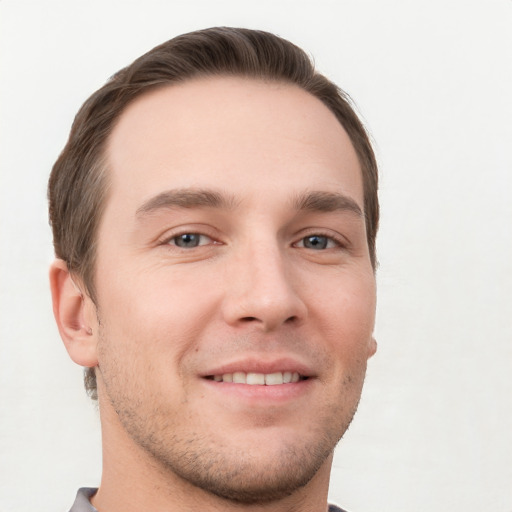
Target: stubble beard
[(229, 472), (239, 477), (209, 461)]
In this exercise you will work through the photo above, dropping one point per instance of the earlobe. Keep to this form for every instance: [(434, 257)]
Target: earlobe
[(372, 347), (74, 314)]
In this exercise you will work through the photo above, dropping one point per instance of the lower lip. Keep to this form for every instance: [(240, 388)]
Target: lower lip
[(261, 394)]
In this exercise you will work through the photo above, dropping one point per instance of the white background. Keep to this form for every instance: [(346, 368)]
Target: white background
[(433, 81)]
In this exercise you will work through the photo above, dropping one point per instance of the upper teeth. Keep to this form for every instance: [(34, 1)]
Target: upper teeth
[(269, 379)]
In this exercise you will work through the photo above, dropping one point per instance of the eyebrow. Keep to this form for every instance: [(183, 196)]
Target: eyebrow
[(327, 202), (319, 201), (186, 198)]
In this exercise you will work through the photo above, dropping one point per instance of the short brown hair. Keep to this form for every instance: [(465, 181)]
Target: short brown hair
[(78, 184)]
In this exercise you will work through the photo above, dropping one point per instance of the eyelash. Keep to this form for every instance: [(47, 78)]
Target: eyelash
[(338, 242), (175, 237)]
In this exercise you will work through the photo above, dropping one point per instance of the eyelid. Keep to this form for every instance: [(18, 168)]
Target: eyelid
[(337, 238), (200, 235), (192, 229)]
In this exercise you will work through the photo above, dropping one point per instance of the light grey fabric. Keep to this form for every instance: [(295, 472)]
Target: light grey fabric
[(82, 500), (83, 504), (334, 508)]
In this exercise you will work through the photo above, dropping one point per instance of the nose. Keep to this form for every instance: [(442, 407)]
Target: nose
[(262, 291)]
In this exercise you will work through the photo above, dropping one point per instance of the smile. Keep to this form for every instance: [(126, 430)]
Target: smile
[(259, 379)]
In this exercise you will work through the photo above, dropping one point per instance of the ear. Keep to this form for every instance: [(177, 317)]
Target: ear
[(75, 314), (372, 347)]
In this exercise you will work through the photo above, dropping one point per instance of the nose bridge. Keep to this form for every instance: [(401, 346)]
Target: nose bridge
[(262, 290), (268, 273)]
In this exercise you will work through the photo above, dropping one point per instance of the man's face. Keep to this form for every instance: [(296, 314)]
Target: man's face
[(233, 252)]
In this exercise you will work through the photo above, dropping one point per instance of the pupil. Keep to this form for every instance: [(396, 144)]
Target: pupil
[(315, 242), (187, 240)]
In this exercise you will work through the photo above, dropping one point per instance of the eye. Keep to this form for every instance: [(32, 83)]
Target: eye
[(189, 240), (317, 242)]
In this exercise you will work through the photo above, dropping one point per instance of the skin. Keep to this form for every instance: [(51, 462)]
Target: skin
[(276, 277)]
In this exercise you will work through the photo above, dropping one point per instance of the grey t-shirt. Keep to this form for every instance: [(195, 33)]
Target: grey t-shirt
[(82, 503)]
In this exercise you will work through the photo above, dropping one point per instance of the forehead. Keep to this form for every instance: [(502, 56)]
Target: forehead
[(229, 132)]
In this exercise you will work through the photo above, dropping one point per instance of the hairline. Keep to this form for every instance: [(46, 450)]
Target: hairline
[(213, 52)]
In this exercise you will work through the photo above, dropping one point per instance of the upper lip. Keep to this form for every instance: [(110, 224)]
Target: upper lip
[(261, 365)]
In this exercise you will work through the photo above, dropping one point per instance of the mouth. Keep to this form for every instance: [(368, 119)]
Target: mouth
[(259, 379)]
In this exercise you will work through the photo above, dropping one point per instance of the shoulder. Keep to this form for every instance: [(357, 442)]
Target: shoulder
[(82, 502), (334, 508)]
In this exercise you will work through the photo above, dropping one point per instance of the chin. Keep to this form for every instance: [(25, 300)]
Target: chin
[(267, 466), (248, 478)]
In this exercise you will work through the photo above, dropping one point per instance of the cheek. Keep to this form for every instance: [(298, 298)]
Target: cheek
[(159, 312), (346, 315), (348, 304)]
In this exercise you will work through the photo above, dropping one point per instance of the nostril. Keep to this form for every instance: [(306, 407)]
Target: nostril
[(248, 319)]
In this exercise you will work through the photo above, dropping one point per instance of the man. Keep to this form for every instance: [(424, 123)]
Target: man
[(214, 215)]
